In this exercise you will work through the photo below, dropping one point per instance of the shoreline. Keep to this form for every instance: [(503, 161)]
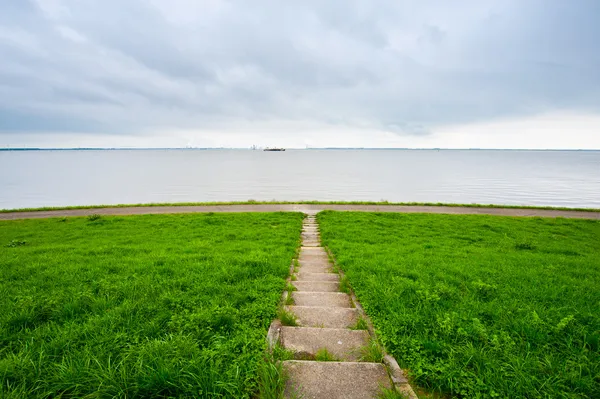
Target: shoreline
[(305, 207), (253, 202)]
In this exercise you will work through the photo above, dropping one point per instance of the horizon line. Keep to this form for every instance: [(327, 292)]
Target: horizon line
[(288, 148)]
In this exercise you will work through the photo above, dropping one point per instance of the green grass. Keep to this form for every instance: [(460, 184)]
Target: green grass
[(345, 285), (479, 306), (372, 352), (287, 318), (148, 306), (387, 393), (323, 355), (253, 202), (361, 324)]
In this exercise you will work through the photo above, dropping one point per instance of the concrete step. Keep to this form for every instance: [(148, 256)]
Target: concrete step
[(316, 286), (324, 316), (315, 239), (328, 299), (314, 261), (317, 251), (311, 243), (310, 234), (304, 276), (334, 380), (321, 252), (310, 238), (313, 251), (315, 269), (343, 344), (313, 258)]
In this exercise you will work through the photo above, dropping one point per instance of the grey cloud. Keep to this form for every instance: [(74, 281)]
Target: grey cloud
[(134, 65)]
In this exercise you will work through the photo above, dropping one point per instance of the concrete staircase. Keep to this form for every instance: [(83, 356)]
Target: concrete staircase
[(325, 317)]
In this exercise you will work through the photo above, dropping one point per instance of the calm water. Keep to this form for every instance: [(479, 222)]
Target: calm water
[(54, 178)]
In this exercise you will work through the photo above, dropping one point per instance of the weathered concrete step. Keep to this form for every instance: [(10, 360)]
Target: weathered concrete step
[(317, 286), (343, 344), (312, 258), (313, 251), (311, 237), (328, 299), (334, 380), (315, 269), (313, 261), (311, 240), (324, 316), (315, 236), (305, 276), (311, 243), (310, 234)]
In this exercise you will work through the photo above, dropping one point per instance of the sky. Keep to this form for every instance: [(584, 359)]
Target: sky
[(337, 73)]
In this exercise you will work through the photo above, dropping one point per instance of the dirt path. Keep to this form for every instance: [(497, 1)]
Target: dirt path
[(142, 210)]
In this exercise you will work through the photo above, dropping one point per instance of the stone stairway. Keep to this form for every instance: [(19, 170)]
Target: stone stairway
[(324, 320)]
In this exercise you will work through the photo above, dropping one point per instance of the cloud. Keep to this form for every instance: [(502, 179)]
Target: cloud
[(135, 66)]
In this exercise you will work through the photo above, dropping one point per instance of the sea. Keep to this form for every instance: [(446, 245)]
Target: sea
[(41, 178)]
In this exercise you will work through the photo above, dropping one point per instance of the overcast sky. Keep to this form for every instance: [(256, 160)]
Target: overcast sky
[(373, 73)]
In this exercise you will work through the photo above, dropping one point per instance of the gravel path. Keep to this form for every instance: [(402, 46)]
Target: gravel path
[(311, 209)]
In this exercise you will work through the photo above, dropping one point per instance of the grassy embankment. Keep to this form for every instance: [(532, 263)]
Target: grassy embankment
[(479, 306), (140, 306), (274, 202)]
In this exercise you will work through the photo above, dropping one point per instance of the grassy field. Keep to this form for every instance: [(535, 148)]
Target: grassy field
[(479, 306), (140, 306)]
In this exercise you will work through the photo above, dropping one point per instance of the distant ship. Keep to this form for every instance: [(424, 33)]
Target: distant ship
[(274, 149)]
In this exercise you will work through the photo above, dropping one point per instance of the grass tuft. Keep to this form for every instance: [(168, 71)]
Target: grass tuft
[(16, 243), (271, 375), (94, 217), (289, 299), (287, 318), (290, 287), (391, 393), (323, 355), (372, 352), (345, 284), (361, 324)]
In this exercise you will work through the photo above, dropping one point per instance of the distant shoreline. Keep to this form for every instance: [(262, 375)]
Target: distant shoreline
[(294, 149)]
